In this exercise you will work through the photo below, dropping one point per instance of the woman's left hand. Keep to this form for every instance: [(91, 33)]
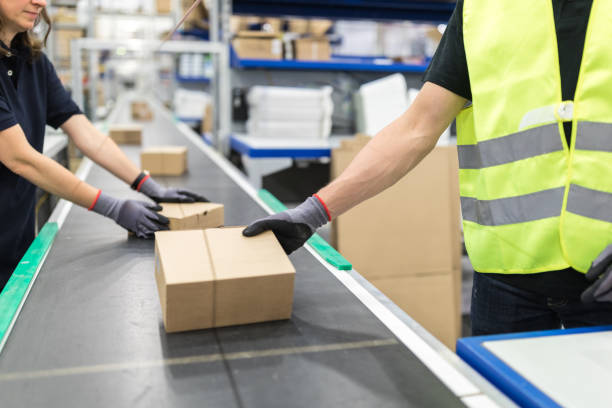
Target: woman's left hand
[(161, 194)]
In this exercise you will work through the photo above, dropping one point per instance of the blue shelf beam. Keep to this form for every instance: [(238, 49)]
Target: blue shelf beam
[(336, 63), (430, 11), (196, 80), (295, 153)]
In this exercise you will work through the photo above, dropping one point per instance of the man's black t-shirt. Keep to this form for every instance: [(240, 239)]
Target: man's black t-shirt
[(448, 69)]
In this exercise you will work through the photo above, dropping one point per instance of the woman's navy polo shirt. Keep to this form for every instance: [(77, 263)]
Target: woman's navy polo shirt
[(32, 96)]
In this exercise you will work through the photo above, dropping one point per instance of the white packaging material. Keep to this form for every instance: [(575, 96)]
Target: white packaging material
[(380, 102), (360, 38), (291, 113), (277, 96), (190, 104), (290, 129)]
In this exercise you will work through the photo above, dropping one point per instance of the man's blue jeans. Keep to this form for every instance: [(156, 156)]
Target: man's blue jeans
[(500, 308)]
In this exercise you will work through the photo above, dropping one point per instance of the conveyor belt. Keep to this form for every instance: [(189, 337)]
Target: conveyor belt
[(90, 333)]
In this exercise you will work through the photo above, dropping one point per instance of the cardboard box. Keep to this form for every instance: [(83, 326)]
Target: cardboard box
[(164, 160), (428, 300), (412, 228), (312, 49), (63, 38), (141, 111), (126, 134), (189, 216), (217, 277), (163, 6), (316, 27), (207, 119), (258, 45), (184, 277)]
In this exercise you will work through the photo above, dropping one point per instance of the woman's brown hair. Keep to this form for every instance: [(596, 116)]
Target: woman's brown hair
[(28, 39)]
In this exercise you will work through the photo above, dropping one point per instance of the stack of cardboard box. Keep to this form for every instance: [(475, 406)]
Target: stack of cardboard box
[(407, 240)]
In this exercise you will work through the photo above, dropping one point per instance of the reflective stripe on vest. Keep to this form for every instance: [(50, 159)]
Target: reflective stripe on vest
[(590, 203), (513, 210), (506, 149)]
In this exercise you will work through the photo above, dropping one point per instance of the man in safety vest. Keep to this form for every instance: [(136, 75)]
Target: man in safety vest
[(535, 159)]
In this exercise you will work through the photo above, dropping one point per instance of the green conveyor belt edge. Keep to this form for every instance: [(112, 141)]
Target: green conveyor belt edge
[(19, 282), (325, 250)]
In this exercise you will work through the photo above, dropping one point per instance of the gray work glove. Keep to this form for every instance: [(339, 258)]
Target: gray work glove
[(292, 227), (135, 216), (161, 194), (600, 273)]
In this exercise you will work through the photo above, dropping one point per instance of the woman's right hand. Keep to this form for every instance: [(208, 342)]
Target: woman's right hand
[(136, 216)]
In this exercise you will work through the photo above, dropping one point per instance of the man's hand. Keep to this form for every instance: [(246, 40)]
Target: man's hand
[(600, 273), (293, 227), (136, 216), (161, 194)]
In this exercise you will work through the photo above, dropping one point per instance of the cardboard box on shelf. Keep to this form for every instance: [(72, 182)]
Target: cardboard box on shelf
[(164, 160), (207, 119), (217, 277), (189, 216), (316, 27), (198, 18), (258, 45), (63, 38), (412, 228), (141, 111), (312, 49), (163, 6), (432, 300), (125, 134)]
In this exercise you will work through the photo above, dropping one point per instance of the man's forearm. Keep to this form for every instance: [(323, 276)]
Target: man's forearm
[(379, 165), (100, 148), (395, 150)]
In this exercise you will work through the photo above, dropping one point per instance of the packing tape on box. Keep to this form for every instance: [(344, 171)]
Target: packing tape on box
[(325, 250)]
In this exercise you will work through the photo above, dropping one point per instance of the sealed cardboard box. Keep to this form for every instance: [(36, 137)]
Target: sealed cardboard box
[(412, 227), (428, 300), (141, 111), (164, 160), (217, 277), (125, 134), (188, 216), (312, 49), (258, 45), (184, 277)]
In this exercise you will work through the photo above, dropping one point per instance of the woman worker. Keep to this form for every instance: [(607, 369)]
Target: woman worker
[(32, 96)]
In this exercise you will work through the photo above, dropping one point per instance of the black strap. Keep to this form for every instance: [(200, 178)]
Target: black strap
[(136, 182)]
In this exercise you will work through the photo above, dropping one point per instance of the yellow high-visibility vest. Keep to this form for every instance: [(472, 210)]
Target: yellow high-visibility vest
[(530, 202)]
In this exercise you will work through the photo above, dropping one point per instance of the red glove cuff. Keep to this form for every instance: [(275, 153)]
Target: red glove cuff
[(324, 206), (95, 201)]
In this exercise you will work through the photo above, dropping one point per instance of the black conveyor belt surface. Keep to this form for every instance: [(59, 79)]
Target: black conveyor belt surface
[(91, 335)]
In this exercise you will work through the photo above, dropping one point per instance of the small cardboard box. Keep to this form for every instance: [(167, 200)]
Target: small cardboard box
[(312, 49), (217, 277), (164, 160), (126, 134), (141, 111), (189, 216), (258, 45)]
